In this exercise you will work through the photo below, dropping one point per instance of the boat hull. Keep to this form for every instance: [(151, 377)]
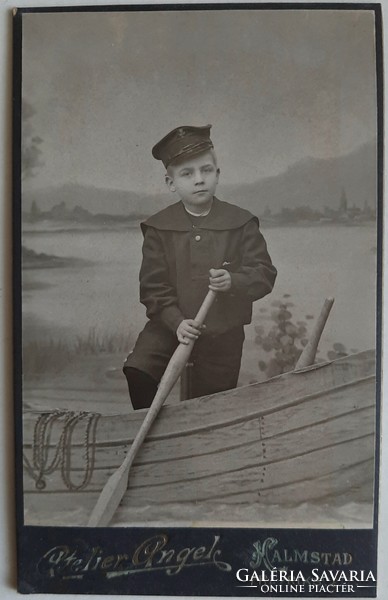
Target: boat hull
[(301, 437)]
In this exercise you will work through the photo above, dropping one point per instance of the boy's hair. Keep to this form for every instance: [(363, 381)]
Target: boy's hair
[(179, 162)]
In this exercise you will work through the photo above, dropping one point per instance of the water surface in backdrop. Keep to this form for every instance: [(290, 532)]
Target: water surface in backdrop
[(312, 262)]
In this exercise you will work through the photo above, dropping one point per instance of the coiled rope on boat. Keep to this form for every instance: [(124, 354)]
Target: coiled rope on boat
[(43, 464)]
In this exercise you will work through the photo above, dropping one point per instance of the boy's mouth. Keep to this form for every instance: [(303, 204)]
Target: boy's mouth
[(200, 192)]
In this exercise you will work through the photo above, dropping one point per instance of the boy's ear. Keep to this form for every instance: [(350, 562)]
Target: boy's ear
[(169, 183)]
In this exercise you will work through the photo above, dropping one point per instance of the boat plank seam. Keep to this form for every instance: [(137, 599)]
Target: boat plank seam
[(269, 462), (264, 453), (263, 412), (286, 484), (245, 443), (249, 467), (278, 486), (247, 417)]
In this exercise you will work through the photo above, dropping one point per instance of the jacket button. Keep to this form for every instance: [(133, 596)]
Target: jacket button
[(197, 238)]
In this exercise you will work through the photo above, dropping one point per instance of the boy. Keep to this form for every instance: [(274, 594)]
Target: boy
[(196, 244)]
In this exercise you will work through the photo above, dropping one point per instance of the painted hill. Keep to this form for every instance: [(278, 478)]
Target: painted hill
[(317, 183)]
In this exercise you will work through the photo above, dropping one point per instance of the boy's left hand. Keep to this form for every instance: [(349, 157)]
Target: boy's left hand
[(220, 280)]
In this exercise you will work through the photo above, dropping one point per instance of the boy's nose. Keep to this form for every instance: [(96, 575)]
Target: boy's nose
[(198, 177)]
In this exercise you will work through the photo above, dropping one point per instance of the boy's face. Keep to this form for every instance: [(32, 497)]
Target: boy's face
[(195, 180)]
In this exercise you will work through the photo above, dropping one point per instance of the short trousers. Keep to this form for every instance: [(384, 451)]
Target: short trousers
[(216, 358)]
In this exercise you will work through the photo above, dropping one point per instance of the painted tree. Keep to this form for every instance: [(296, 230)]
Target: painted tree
[(343, 202), (35, 211), (31, 151)]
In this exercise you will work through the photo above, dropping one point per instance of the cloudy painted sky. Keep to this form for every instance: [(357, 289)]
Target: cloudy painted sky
[(278, 86)]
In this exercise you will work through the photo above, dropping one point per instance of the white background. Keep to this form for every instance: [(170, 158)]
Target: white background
[(7, 518)]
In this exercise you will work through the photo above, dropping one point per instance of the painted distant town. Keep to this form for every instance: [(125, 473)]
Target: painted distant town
[(345, 213)]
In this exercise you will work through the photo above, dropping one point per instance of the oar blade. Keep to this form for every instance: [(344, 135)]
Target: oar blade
[(109, 498)]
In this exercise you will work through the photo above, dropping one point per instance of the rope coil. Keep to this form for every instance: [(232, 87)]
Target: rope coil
[(43, 465)]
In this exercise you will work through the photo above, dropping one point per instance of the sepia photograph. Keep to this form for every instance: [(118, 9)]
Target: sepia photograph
[(197, 275), (199, 246)]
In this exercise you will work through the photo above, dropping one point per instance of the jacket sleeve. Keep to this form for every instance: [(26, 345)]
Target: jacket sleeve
[(156, 291), (256, 276)]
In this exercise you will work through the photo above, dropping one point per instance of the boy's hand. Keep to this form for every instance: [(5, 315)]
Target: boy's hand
[(189, 330), (220, 280)]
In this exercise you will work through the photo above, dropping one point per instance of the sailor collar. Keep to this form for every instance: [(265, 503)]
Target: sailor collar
[(221, 217)]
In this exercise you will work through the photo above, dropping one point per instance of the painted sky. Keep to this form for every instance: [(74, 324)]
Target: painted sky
[(278, 86)]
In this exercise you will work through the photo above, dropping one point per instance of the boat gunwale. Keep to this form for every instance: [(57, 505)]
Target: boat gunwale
[(138, 414), (232, 421)]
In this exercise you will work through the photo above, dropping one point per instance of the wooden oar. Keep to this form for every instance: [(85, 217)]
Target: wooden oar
[(308, 355), (117, 483)]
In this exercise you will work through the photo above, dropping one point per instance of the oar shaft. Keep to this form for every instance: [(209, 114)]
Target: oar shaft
[(308, 355), (171, 374), (205, 307), (116, 485), (170, 377)]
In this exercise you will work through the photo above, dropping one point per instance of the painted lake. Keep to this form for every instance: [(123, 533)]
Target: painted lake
[(102, 294)]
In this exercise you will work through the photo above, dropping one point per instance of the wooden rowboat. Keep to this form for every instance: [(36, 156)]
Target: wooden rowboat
[(305, 436)]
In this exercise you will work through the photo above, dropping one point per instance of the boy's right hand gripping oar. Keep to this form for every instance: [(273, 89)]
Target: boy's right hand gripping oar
[(117, 483)]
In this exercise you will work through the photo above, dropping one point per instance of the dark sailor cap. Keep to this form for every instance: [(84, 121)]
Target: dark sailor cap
[(182, 142)]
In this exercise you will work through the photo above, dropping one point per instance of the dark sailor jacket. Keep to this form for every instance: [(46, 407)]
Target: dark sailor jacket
[(177, 256)]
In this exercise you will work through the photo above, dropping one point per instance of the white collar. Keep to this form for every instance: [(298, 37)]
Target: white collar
[(203, 214)]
